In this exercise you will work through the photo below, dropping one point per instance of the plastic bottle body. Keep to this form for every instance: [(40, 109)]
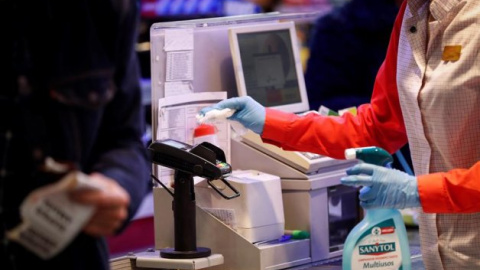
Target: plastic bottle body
[(206, 138), (379, 241)]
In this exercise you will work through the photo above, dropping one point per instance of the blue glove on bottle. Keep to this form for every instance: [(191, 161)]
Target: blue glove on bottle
[(248, 112), (383, 187)]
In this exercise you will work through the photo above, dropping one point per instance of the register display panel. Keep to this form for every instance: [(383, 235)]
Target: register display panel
[(267, 65)]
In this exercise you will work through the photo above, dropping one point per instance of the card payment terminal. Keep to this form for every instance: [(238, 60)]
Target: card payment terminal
[(205, 160)]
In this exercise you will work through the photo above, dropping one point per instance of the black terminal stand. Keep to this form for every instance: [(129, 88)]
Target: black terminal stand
[(205, 160)]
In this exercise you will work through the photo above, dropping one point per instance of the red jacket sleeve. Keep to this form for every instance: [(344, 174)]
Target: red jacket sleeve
[(455, 191), (379, 123)]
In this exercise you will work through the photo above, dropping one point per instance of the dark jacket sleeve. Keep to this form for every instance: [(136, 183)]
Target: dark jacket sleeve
[(121, 152)]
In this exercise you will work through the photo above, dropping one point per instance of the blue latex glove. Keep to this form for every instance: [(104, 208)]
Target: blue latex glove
[(383, 187), (247, 111)]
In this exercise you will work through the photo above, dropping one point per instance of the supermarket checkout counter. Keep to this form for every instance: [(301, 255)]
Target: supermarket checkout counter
[(129, 260), (314, 203)]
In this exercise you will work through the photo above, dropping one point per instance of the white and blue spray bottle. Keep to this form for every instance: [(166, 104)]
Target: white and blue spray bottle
[(380, 240)]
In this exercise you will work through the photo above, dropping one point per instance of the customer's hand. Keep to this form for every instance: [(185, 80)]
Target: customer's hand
[(247, 111), (383, 187), (111, 205)]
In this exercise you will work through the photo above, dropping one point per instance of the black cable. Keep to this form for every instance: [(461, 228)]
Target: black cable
[(162, 184)]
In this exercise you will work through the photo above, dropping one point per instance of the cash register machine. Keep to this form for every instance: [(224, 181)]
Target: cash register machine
[(268, 68), (279, 190)]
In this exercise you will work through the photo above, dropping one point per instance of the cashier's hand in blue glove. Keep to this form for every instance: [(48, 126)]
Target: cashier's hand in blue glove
[(383, 187), (248, 112)]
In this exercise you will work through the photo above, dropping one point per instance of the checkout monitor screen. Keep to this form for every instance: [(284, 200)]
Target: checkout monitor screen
[(267, 65)]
